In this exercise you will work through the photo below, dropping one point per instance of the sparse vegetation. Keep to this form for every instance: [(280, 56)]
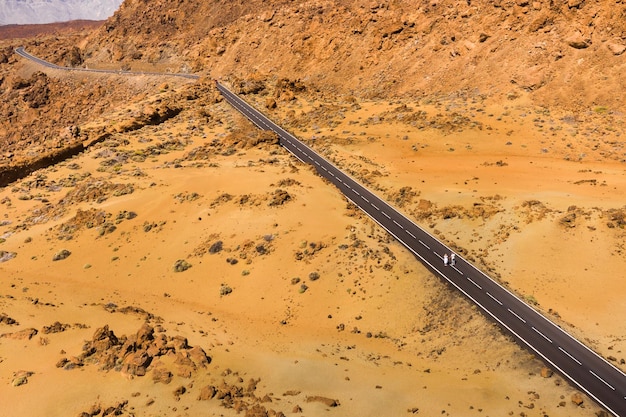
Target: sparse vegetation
[(225, 290), (181, 265)]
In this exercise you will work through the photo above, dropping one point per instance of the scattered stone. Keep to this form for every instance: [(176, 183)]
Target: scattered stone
[(257, 410), (329, 402), (161, 375), (577, 399), (546, 372), (616, 48), (578, 41), (569, 220), (270, 103), (4, 319), (180, 391), (21, 378), (6, 256), (574, 4), (62, 362), (63, 254), (55, 328), (135, 363), (207, 393), (25, 334), (19, 381)]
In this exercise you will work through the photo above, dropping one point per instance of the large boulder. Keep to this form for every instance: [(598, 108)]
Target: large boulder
[(135, 364)]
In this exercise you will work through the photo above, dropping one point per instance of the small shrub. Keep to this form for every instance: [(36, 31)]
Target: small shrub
[(181, 265), (314, 276), (532, 300), (295, 280), (216, 247), (225, 290), (303, 288), (600, 109)]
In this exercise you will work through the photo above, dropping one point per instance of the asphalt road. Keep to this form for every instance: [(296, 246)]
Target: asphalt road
[(585, 369), (21, 52)]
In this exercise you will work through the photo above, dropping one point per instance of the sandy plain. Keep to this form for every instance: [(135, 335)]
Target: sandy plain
[(373, 333)]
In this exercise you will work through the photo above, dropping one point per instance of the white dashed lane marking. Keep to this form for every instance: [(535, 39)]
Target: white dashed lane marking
[(473, 282), (386, 215), (494, 298), (570, 356), (541, 334), (605, 383), (411, 234), (398, 224), (424, 245), (374, 205), (516, 315)]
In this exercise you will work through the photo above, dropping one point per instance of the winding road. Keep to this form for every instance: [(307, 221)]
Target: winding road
[(591, 373), (21, 52)]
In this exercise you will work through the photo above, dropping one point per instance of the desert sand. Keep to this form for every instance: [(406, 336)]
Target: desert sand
[(302, 304)]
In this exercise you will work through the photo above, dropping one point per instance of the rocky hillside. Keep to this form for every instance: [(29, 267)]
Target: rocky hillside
[(565, 53), (565, 56)]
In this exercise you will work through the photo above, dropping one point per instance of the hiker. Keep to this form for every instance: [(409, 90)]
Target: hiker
[(445, 260)]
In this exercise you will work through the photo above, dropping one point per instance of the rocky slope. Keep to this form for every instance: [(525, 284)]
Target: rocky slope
[(557, 55), (561, 53)]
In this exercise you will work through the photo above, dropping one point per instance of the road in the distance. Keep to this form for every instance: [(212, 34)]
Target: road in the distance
[(584, 368), (21, 52)]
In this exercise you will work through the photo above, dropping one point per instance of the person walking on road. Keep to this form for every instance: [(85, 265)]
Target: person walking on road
[(445, 260), (452, 259)]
